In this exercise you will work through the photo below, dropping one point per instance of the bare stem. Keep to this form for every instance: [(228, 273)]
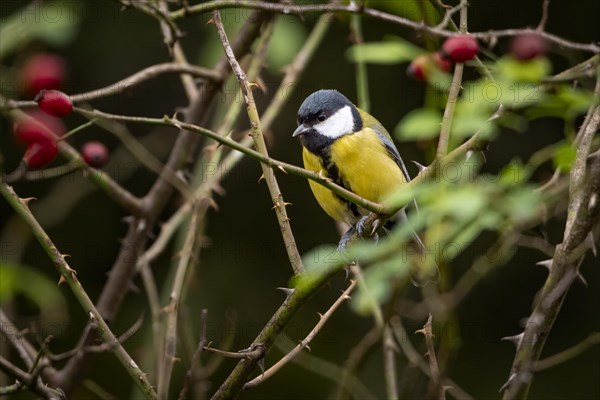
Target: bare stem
[(68, 275), (352, 8), (278, 203), (303, 343)]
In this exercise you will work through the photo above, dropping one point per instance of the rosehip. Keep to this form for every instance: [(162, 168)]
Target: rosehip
[(95, 154), (442, 63), (54, 102), (37, 126), (419, 67), (43, 71), (40, 153), (528, 46), (460, 48)]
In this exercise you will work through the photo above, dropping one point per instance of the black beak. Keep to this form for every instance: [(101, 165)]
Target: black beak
[(300, 130)]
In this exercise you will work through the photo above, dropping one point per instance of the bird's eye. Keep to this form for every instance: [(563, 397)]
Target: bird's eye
[(321, 117)]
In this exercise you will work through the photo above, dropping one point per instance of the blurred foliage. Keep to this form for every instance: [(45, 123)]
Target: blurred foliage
[(57, 25), (27, 281)]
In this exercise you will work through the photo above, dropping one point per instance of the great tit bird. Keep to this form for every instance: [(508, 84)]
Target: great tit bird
[(350, 147)]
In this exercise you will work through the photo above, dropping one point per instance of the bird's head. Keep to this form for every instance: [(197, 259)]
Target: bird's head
[(327, 114)]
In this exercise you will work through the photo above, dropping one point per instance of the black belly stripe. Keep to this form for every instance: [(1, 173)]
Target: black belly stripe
[(320, 146), (333, 173)]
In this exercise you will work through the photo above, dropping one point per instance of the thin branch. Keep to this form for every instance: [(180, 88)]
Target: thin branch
[(69, 276), (353, 8), (415, 358), (455, 87), (362, 78), (568, 354), (389, 364), (189, 375), (433, 365), (583, 215), (276, 196), (170, 340), (126, 84), (99, 348), (28, 379), (304, 342), (544, 19)]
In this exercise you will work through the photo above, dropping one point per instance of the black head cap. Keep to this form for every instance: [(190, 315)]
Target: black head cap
[(324, 103)]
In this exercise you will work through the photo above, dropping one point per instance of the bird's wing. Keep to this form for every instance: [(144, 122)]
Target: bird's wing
[(385, 138)]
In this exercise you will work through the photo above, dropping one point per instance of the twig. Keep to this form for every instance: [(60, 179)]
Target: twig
[(100, 348), (303, 343), (415, 358), (583, 215), (362, 78), (433, 365), (28, 379), (544, 17), (448, 15), (259, 142), (170, 341), (389, 364), (128, 83), (256, 352), (69, 276), (328, 370), (352, 8), (455, 87), (189, 375), (566, 355)]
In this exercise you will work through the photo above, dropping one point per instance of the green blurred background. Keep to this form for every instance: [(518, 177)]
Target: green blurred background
[(244, 259)]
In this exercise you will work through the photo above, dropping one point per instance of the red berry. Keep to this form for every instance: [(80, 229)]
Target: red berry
[(54, 102), (419, 67), (38, 126), (43, 71), (95, 154), (460, 48), (528, 46), (441, 62), (40, 153)]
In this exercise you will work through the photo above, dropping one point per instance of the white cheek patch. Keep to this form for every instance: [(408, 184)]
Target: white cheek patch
[(339, 124)]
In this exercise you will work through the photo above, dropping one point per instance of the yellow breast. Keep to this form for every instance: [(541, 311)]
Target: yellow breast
[(365, 168)]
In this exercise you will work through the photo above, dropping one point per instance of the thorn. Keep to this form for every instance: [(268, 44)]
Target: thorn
[(320, 315), (421, 331), (288, 292), (507, 383), (70, 270), (545, 263), (581, 279), (262, 178), (279, 167), (26, 200), (446, 388), (287, 204), (61, 280), (419, 166), (307, 347), (261, 365), (515, 339), (346, 272), (261, 85), (210, 21), (592, 243), (469, 154), (65, 255), (213, 204)]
